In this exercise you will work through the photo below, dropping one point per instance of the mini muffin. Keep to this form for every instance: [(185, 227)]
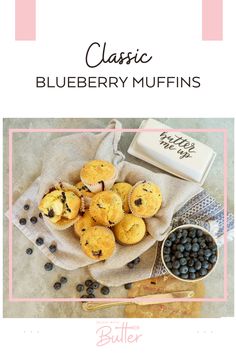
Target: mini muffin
[(106, 208), (60, 207), (98, 242), (98, 175), (123, 189), (130, 230), (145, 199), (85, 222), (85, 193)]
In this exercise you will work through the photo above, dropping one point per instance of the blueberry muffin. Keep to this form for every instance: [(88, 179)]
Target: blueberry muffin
[(98, 242), (106, 208), (130, 230), (98, 175), (145, 199), (123, 189), (85, 222), (84, 192), (60, 207)]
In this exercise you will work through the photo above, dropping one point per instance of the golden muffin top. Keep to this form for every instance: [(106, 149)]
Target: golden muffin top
[(96, 171), (123, 189), (130, 230)]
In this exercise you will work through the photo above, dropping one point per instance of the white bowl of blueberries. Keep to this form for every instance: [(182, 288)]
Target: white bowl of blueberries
[(189, 253)]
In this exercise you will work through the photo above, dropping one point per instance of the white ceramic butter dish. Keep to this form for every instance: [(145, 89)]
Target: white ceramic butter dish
[(174, 152)]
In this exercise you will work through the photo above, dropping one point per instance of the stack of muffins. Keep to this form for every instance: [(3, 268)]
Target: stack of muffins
[(102, 210)]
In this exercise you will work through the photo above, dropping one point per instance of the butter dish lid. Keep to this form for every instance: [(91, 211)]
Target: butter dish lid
[(174, 152)]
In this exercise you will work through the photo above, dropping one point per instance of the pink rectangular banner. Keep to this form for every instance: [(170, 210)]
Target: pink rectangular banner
[(25, 20), (212, 20)]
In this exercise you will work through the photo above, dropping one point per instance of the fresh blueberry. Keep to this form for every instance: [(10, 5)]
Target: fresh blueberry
[(201, 252), (22, 221), (186, 254), (173, 258), (169, 265), (89, 290), (180, 248), (63, 280), (88, 282), (175, 264), (207, 252), (192, 276), (166, 258), (79, 287), (193, 255), (48, 266), (191, 262), (128, 286), (184, 275), (185, 233), (33, 220), (183, 261), (195, 247), (192, 233), (187, 247), (202, 272), (91, 296), (130, 265), (176, 272), (29, 251), (105, 290), (213, 259), (199, 233), (136, 260), (183, 240), (195, 239), (166, 250), (205, 264), (174, 247), (26, 206), (172, 237), (179, 234), (84, 297), (183, 269), (168, 243), (178, 255), (201, 258), (57, 286), (95, 285), (39, 241), (197, 274), (191, 270), (198, 265), (52, 248)]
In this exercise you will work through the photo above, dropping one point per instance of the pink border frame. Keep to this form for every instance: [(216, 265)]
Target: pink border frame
[(12, 131)]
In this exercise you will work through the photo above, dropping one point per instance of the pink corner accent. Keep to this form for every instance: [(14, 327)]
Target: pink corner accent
[(212, 20), (25, 20)]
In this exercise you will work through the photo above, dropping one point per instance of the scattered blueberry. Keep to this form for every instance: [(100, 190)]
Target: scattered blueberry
[(22, 221), (33, 220), (26, 206), (88, 282), (95, 285), (89, 290), (80, 288), (39, 241), (128, 286), (130, 265), (48, 266), (29, 251), (91, 296), (52, 248), (105, 290), (57, 286), (84, 297), (136, 261), (63, 280)]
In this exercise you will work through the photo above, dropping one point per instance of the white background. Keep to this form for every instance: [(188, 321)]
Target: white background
[(170, 31)]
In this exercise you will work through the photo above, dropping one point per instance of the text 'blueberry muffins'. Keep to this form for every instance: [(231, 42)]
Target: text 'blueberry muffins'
[(98, 175), (98, 242), (85, 222), (106, 208), (61, 206), (145, 199), (123, 189), (130, 230)]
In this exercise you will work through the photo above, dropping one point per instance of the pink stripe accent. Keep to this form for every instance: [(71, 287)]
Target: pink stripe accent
[(12, 299), (212, 20), (25, 20), (225, 213), (10, 213)]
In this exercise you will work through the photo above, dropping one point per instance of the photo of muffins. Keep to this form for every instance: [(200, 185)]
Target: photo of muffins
[(98, 175), (145, 199), (61, 206), (130, 230), (106, 208), (98, 242), (123, 189)]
